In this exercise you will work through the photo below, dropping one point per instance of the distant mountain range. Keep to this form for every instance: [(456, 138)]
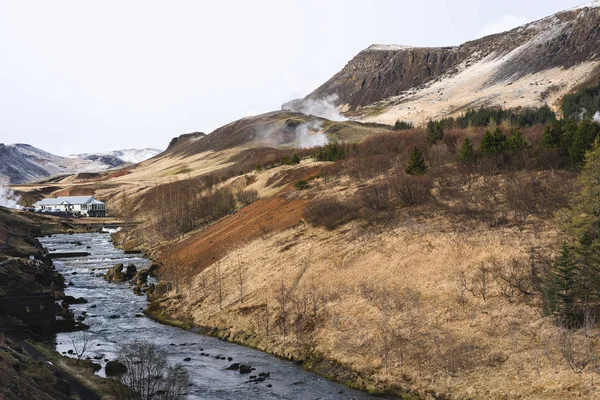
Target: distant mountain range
[(23, 163)]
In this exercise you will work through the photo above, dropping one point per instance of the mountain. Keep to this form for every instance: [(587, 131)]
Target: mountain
[(22, 163), (532, 65), (120, 157)]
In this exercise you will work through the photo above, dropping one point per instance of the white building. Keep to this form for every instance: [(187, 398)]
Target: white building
[(77, 205)]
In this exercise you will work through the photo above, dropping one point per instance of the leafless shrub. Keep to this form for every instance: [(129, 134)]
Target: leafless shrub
[(367, 167), (411, 190), (461, 357), (382, 297), (375, 197), (148, 375), (439, 155), (514, 278), (283, 300), (247, 196), (462, 288), (330, 213), (579, 347), (540, 194), (81, 341)]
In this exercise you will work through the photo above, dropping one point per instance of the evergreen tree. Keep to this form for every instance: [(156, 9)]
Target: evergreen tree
[(466, 153), (581, 140), (416, 163), (575, 276), (516, 142), (550, 139), (435, 132), (295, 159), (492, 143), (563, 289)]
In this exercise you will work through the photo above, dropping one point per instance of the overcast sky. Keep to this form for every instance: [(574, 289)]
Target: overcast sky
[(90, 76)]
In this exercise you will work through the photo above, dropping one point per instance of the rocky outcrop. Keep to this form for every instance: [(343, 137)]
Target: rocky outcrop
[(140, 281), (378, 73), (119, 273)]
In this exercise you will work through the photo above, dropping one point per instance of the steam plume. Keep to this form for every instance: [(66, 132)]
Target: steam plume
[(8, 198), (310, 135), (597, 116), (324, 108)]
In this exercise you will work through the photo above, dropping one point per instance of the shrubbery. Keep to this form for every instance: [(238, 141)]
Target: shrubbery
[(247, 196), (411, 190), (330, 213), (375, 197)]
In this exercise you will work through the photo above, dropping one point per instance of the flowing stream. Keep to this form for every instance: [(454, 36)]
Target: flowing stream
[(114, 315)]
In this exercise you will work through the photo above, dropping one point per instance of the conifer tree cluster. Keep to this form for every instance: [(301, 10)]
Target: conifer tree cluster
[(573, 282)]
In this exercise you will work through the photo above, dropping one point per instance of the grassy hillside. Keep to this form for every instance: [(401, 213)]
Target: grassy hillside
[(430, 283)]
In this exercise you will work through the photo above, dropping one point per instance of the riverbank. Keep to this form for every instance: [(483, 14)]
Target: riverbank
[(30, 369), (113, 312), (313, 362)]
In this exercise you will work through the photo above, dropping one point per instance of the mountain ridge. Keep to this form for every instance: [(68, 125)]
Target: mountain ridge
[(529, 66), (22, 163)]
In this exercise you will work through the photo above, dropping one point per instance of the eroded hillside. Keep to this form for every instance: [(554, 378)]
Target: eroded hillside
[(535, 64)]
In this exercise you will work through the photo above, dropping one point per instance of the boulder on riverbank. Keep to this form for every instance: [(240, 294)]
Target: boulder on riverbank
[(114, 368), (116, 273), (74, 300)]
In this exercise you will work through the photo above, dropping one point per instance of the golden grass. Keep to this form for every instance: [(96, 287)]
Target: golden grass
[(357, 270)]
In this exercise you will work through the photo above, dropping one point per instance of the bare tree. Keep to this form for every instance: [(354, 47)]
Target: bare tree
[(462, 288), (240, 275), (283, 299), (481, 282), (218, 284), (81, 341), (148, 376)]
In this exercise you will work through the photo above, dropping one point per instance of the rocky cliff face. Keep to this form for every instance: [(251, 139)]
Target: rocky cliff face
[(568, 41), (380, 72)]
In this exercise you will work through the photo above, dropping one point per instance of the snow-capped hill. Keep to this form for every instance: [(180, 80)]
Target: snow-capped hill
[(135, 156), (119, 157), (22, 163)]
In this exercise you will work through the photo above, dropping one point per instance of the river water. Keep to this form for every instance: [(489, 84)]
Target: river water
[(114, 315)]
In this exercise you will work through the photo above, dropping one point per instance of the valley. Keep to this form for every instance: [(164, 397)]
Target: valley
[(423, 225)]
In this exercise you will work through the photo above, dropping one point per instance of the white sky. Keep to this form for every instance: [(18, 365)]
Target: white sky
[(90, 76)]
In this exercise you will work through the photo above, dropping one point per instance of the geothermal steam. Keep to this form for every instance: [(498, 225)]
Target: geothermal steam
[(324, 108), (8, 198), (597, 116), (310, 135)]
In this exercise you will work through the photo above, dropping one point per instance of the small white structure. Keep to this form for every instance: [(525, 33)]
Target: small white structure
[(77, 205)]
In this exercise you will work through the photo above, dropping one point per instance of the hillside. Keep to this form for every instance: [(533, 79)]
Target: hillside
[(419, 284), (236, 147), (535, 64)]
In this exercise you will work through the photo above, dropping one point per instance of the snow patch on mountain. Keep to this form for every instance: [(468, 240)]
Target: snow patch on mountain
[(23, 163), (132, 156)]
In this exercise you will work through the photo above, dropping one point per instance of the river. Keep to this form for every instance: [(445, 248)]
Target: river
[(114, 315)]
